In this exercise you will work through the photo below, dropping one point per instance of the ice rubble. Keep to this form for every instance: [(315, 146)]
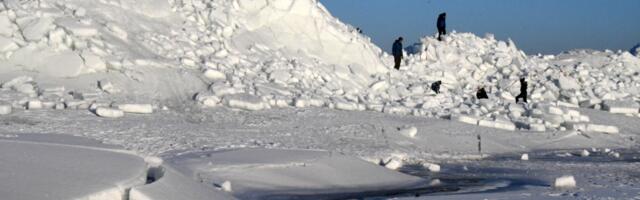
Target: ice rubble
[(265, 54), (75, 37), (464, 62), (245, 45)]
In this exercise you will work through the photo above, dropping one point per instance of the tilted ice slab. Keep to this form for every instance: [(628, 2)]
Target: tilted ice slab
[(262, 173), (40, 170)]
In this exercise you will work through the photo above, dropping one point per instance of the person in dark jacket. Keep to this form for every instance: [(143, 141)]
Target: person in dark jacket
[(436, 86), (442, 25), (523, 91), (482, 93), (397, 53)]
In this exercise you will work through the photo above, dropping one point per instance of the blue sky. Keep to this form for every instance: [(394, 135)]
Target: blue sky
[(537, 26)]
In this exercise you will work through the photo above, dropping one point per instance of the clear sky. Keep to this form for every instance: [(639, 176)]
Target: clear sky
[(536, 26)]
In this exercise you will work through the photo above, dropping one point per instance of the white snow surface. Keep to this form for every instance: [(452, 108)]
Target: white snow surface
[(174, 185), (212, 76), (40, 170), (273, 173)]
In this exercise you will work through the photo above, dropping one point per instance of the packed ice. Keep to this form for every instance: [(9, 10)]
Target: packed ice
[(258, 55)]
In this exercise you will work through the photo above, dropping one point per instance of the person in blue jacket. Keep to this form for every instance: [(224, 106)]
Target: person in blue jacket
[(397, 53), (442, 25)]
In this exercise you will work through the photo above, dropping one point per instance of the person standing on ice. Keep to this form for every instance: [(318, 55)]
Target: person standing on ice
[(482, 93), (436, 86), (442, 25), (397, 53), (523, 91)]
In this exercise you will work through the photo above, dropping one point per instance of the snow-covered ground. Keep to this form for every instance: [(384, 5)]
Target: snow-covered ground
[(257, 99), (178, 135), (41, 170)]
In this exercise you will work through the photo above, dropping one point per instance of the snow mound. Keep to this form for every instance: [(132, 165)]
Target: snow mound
[(273, 173), (41, 170), (174, 185)]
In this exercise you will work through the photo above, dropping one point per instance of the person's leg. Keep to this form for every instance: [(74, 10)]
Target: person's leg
[(397, 60), (439, 34)]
